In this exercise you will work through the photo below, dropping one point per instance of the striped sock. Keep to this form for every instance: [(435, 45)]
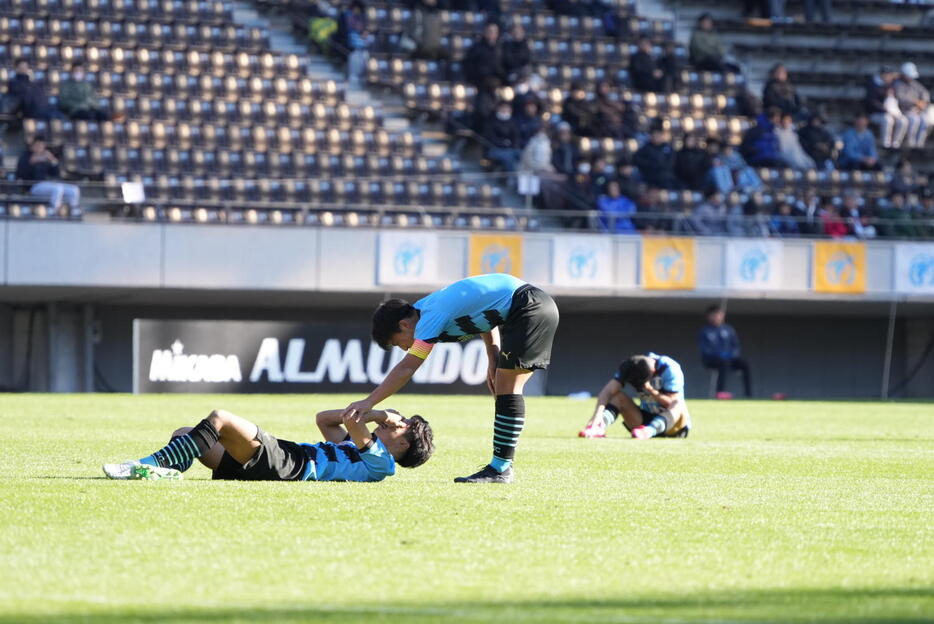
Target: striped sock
[(609, 415), (510, 418), (183, 450)]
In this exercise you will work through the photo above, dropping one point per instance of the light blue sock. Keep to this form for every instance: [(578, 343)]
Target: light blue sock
[(500, 464), (657, 426), (150, 460), (609, 417)]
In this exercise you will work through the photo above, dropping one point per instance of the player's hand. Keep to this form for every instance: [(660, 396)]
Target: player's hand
[(393, 419), (647, 386), (357, 410)]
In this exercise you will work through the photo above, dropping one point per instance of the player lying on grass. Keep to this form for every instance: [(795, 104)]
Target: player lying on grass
[(234, 448), (659, 385), (517, 322)]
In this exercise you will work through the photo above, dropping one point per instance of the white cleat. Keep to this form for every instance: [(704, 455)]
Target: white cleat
[(133, 470)]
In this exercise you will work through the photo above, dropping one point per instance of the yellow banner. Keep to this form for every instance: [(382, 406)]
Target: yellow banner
[(493, 253), (668, 263), (839, 267)]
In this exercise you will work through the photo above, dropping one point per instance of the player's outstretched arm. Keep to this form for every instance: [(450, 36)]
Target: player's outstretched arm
[(400, 375), (611, 388)]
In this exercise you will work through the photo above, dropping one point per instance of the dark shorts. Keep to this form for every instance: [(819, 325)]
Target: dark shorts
[(275, 460), (647, 417), (529, 330)]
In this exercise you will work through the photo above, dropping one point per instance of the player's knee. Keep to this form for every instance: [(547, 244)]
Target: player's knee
[(219, 418)]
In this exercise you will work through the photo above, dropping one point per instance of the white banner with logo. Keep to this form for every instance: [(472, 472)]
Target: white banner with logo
[(914, 268), (582, 261), (407, 258), (754, 264)]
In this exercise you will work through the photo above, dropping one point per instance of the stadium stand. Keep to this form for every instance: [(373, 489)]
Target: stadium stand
[(212, 120)]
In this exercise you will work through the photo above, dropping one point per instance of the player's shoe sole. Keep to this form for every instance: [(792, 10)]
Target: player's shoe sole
[(488, 474), (135, 471)]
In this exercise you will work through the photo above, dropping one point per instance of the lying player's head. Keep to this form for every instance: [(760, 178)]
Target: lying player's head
[(394, 324), (638, 369), (410, 440)]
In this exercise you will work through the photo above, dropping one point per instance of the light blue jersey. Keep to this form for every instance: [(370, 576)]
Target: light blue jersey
[(345, 462), (466, 308), (668, 378)]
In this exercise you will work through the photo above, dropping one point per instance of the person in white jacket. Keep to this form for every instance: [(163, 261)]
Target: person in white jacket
[(790, 147)]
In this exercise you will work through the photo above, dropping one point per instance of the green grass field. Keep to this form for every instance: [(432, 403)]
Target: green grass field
[(769, 512)]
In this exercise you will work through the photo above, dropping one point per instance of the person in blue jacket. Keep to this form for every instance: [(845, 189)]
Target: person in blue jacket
[(720, 349)]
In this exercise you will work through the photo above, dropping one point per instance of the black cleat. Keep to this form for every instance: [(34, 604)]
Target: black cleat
[(488, 474)]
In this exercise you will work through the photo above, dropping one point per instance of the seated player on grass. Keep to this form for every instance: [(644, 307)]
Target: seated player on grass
[(659, 385), (517, 323), (234, 448)]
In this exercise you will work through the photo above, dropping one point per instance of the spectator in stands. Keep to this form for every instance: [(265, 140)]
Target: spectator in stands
[(483, 62), (77, 98), (850, 211), (39, 167), (780, 93), (925, 214), (502, 135), (720, 349), (834, 225), (354, 38), (915, 103), (30, 98), (881, 105), (537, 159), (656, 161), (755, 8), (423, 33), (818, 142), (692, 162), (708, 217), (706, 51), (757, 221), (484, 104), (615, 210), (807, 212), (728, 170), (517, 55), (822, 5), (903, 179), (672, 67), (564, 152), (897, 219), (859, 147), (601, 172), (580, 192), (783, 222), (528, 121), (645, 70), (627, 177), (536, 155), (614, 117), (578, 110), (789, 146), (760, 143)]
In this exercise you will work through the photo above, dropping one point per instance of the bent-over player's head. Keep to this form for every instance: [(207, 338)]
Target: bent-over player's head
[(394, 324), (409, 440), (638, 369)]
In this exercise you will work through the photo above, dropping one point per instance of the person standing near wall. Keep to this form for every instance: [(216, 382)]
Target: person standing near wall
[(720, 351)]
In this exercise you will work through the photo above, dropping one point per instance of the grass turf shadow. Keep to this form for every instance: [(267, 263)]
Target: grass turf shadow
[(823, 606)]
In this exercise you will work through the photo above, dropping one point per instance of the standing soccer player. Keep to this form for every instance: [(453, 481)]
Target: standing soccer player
[(517, 322)]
